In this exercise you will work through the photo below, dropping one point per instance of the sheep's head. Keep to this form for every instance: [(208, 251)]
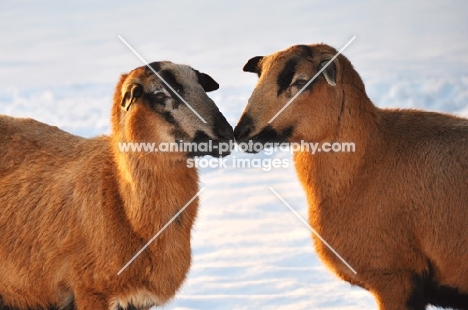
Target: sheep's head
[(312, 115), (147, 110)]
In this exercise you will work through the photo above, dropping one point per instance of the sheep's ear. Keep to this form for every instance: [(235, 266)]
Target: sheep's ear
[(252, 65), (134, 91), (329, 73), (206, 81)]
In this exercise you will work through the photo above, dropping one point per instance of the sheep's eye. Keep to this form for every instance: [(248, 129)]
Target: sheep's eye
[(157, 98), (300, 83), (159, 95)]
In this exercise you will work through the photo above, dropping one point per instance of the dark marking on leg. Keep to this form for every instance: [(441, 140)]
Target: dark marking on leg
[(442, 295), (416, 300), (426, 290), (447, 297)]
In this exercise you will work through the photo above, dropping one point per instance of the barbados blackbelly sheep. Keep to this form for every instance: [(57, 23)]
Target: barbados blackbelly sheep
[(396, 209), (74, 211)]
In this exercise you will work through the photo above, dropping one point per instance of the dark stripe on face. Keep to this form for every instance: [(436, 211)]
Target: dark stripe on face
[(169, 118), (286, 75), (177, 132), (268, 134), (155, 65), (305, 51), (271, 135), (169, 77), (222, 128), (158, 107), (244, 128)]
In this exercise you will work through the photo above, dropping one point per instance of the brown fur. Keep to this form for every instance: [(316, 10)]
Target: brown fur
[(397, 208), (74, 211)]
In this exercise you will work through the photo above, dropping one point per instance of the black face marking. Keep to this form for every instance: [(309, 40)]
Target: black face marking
[(155, 65), (426, 291), (222, 128), (157, 105), (305, 51), (244, 128), (176, 131), (269, 135), (201, 137), (286, 75), (169, 118), (180, 135), (169, 77)]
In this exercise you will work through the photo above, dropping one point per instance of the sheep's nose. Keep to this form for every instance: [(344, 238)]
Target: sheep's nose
[(244, 128), (225, 133), (223, 129)]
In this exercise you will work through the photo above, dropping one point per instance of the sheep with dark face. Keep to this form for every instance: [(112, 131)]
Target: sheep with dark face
[(396, 209), (74, 211)]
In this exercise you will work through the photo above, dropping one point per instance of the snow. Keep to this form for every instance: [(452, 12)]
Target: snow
[(60, 62), (251, 252)]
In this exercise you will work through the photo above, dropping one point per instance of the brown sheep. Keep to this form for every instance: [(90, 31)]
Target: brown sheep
[(74, 211), (396, 209)]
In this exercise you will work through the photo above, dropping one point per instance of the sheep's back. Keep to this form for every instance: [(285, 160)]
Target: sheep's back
[(29, 142), (48, 180)]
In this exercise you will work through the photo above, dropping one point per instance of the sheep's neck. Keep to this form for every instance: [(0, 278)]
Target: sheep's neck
[(154, 188), (328, 176)]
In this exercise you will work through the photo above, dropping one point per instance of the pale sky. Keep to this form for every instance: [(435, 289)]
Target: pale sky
[(54, 42)]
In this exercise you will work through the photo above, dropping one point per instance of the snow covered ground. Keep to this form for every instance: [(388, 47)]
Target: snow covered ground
[(59, 64)]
